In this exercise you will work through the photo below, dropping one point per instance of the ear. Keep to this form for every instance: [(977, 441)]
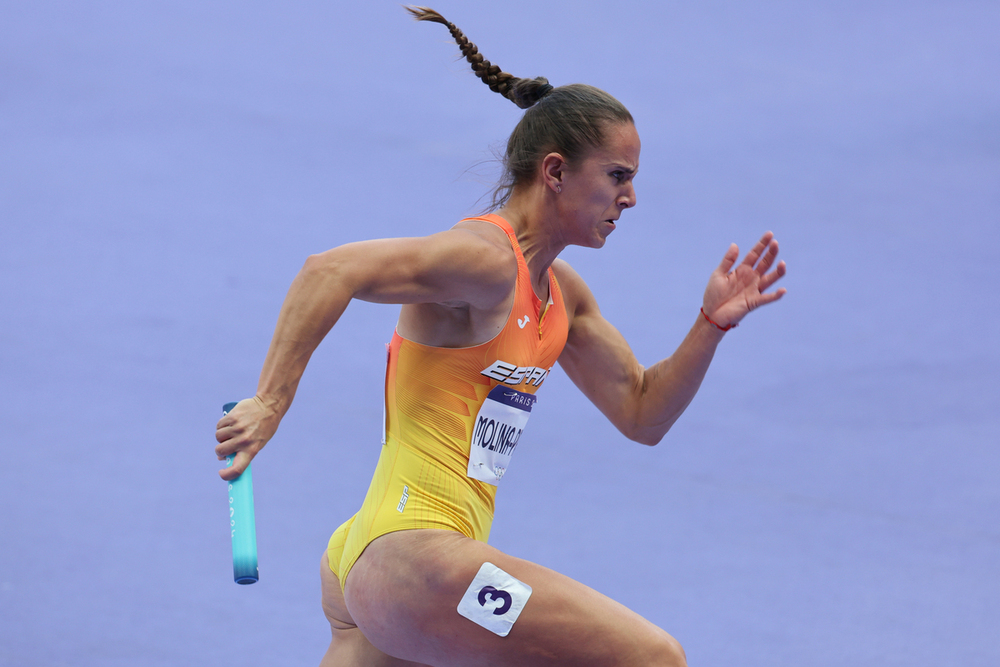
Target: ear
[(554, 167)]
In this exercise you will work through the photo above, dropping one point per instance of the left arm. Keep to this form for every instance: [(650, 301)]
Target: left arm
[(643, 403)]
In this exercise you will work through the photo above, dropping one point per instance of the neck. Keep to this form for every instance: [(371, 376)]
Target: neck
[(532, 215)]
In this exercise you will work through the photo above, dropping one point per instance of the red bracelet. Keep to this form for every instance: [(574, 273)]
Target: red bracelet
[(716, 324)]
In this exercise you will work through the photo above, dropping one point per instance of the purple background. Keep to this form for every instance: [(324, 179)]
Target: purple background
[(831, 496)]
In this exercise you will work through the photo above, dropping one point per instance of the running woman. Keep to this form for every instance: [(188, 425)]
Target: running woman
[(487, 310)]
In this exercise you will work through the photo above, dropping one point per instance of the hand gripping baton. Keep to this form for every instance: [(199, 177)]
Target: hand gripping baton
[(241, 522)]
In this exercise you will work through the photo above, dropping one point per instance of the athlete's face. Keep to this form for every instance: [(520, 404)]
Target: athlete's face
[(599, 187)]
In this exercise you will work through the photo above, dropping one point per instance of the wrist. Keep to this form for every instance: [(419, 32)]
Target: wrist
[(720, 327), (273, 405)]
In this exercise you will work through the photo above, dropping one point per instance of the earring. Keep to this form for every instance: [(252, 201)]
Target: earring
[(558, 188)]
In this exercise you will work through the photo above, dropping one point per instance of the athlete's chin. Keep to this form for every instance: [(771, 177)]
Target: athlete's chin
[(601, 237), (596, 239)]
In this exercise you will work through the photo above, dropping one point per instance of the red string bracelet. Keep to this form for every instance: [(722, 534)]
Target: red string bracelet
[(716, 324)]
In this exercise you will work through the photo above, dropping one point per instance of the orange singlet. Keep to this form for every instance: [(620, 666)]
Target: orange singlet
[(453, 418)]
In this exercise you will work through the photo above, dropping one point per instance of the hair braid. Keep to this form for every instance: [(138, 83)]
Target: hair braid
[(571, 120), (522, 92)]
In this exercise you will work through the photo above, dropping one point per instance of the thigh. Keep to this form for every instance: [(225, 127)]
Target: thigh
[(348, 647), (404, 591)]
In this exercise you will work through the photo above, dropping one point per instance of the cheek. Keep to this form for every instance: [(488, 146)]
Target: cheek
[(600, 193), (611, 195)]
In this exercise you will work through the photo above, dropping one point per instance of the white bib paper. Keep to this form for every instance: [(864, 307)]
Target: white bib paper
[(498, 427), (494, 599)]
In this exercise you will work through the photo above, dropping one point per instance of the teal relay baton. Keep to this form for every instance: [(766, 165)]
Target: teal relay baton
[(241, 522)]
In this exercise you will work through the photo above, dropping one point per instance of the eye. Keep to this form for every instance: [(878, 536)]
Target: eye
[(618, 175)]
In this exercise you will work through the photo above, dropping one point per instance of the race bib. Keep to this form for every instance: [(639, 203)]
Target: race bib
[(494, 599), (497, 429)]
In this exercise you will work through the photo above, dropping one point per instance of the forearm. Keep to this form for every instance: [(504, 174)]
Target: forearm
[(316, 299), (667, 388)]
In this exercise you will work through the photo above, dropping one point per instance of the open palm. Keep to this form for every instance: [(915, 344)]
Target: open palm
[(732, 293)]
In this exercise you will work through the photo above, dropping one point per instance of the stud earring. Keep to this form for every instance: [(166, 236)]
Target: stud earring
[(558, 188)]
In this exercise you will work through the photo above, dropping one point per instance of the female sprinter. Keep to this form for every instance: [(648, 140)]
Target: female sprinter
[(487, 309)]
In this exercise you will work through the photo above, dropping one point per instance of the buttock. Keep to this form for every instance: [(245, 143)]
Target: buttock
[(346, 545), (410, 491), (335, 547)]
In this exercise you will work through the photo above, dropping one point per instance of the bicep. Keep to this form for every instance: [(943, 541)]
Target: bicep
[(455, 265)]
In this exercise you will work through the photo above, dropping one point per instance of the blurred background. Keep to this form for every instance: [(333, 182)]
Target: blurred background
[(829, 498)]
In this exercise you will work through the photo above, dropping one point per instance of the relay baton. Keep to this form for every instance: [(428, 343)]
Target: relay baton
[(241, 522)]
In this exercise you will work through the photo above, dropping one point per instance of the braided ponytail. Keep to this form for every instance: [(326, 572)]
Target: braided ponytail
[(522, 92), (570, 120)]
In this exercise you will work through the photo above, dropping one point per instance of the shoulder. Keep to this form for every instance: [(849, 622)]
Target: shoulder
[(487, 236), (462, 265), (475, 258), (576, 295), (487, 250)]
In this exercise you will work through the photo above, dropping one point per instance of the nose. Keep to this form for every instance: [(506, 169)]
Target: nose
[(627, 198)]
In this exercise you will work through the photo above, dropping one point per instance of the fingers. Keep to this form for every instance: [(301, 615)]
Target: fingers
[(240, 462), (729, 259), (226, 420), (771, 297), (758, 250), (232, 443), (769, 279), (229, 437), (240, 436), (744, 288), (228, 433), (762, 256), (768, 259), (765, 282), (226, 446)]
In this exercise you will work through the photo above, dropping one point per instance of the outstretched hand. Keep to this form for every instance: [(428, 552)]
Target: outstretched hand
[(244, 432), (732, 293)]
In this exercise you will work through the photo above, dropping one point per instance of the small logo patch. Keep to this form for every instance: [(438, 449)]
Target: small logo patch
[(524, 322), (402, 501)]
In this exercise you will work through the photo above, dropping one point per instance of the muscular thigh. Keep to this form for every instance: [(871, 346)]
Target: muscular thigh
[(404, 592)]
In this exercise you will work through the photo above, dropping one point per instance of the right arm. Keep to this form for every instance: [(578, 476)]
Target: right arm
[(643, 403), (456, 266)]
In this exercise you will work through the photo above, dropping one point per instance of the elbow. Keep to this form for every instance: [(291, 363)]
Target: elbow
[(638, 429), (649, 440), (647, 432), (324, 266), (312, 267), (644, 435), (328, 274), (319, 263)]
